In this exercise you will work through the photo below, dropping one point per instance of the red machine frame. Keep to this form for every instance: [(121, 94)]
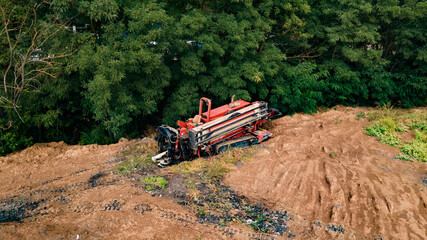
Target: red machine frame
[(180, 144)]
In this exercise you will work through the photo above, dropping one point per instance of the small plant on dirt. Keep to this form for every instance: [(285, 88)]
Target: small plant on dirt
[(190, 182), (388, 124), (154, 182), (194, 194), (421, 136), (360, 115), (257, 225), (201, 212), (216, 171), (332, 154)]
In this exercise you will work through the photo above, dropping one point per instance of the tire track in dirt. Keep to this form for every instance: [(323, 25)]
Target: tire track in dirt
[(325, 168)]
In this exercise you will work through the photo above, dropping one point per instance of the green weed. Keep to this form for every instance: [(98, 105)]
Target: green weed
[(385, 111), (201, 212), (416, 149), (154, 182), (404, 157), (421, 135), (422, 126), (384, 131), (190, 182), (388, 124), (389, 121), (360, 115)]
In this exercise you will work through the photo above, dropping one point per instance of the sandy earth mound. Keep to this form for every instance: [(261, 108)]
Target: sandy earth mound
[(325, 168)]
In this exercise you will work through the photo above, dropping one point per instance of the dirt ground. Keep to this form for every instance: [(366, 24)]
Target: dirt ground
[(325, 168), (56, 191), (335, 181)]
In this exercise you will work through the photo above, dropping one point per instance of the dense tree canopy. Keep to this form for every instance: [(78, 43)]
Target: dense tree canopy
[(92, 71)]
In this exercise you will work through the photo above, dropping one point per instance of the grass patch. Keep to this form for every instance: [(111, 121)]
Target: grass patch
[(147, 147), (213, 168), (137, 156), (134, 163), (387, 122), (154, 182)]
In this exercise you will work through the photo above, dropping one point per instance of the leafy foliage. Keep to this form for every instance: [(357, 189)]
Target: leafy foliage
[(11, 140)]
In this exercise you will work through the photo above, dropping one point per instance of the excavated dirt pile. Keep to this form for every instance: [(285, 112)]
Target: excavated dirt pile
[(326, 169)]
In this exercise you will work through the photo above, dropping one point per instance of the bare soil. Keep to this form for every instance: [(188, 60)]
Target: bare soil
[(56, 191), (326, 169), (331, 180)]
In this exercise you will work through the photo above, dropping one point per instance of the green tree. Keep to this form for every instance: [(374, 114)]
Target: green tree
[(125, 64)]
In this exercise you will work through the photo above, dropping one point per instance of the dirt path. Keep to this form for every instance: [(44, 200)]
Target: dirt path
[(326, 169)]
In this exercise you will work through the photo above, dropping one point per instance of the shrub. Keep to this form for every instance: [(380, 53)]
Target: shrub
[(12, 140)]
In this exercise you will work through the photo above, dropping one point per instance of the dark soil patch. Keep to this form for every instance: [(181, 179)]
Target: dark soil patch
[(176, 187), (17, 210), (93, 179), (115, 205), (220, 204)]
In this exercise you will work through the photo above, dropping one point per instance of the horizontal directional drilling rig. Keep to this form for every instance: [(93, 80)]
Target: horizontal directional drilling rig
[(214, 131)]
